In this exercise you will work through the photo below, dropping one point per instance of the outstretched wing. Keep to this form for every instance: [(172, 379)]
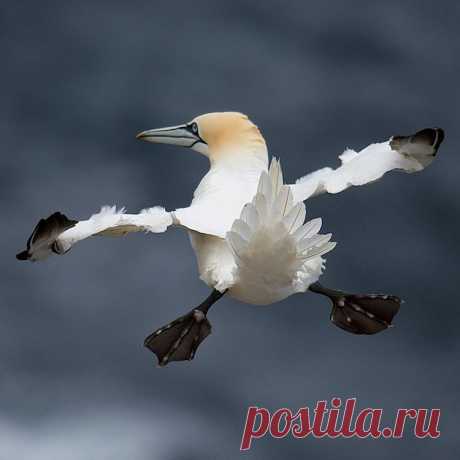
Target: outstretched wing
[(407, 153), (58, 234), (270, 240)]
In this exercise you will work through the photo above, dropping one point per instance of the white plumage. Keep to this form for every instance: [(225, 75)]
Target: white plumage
[(245, 224), (359, 168), (247, 227)]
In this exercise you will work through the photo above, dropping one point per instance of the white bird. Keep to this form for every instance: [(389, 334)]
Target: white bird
[(247, 227)]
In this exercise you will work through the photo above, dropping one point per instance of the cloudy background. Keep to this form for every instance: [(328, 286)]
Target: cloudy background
[(78, 81)]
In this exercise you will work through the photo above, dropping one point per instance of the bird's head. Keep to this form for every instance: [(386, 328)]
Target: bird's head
[(219, 136)]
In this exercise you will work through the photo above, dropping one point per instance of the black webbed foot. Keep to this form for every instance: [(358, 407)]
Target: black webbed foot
[(360, 313), (179, 340), (364, 314)]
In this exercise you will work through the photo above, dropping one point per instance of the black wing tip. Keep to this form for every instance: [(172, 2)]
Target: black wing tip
[(427, 137), (61, 219), (46, 231), (430, 136)]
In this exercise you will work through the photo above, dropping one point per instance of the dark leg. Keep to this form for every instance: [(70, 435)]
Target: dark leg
[(178, 340), (360, 313)]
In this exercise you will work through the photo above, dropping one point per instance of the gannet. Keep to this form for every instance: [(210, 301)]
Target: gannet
[(247, 227)]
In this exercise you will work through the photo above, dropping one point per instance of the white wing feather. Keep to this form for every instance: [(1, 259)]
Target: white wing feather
[(112, 222), (58, 234), (406, 153)]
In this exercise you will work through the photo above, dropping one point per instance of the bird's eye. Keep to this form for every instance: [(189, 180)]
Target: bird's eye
[(194, 128)]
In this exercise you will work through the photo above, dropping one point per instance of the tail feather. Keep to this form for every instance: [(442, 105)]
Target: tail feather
[(319, 251), (316, 241), (276, 174), (250, 216), (309, 229), (295, 218), (241, 228)]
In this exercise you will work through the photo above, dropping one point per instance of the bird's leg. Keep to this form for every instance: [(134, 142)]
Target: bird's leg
[(179, 340), (360, 313)]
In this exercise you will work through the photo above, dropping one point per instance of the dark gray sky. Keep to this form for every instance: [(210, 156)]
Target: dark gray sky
[(78, 81)]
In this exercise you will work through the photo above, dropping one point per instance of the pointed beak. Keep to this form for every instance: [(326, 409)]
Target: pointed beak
[(176, 135)]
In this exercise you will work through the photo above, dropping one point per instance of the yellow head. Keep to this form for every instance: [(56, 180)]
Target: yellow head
[(219, 136)]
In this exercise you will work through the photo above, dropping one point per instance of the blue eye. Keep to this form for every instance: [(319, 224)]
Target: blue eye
[(194, 127)]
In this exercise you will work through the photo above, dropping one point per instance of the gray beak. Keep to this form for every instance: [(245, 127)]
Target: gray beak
[(176, 135)]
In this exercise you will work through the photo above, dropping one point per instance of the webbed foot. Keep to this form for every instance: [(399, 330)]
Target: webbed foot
[(360, 313), (179, 340), (364, 314)]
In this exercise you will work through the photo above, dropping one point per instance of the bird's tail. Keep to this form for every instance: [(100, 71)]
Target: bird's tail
[(271, 241)]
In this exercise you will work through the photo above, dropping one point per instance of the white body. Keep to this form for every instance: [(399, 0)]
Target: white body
[(268, 276), (219, 270)]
